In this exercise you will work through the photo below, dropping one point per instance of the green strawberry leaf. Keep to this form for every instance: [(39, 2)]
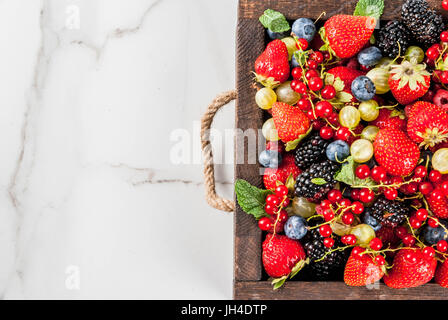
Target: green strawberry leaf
[(279, 282), (251, 199), (290, 182), (369, 8), (344, 97), (274, 21), (319, 181), (347, 175), (291, 145)]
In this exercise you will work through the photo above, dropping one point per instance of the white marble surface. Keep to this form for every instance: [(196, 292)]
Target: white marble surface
[(93, 93)]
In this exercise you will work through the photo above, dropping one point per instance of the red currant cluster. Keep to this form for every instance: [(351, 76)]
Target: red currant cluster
[(275, 207)]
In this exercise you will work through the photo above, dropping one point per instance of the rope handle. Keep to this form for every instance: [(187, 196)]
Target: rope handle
[(211, 196)]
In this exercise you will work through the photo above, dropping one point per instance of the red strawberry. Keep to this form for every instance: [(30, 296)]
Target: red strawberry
[(438, 207), (361, 271), (287, 167), (408, 81), (347, 75), (396, 152), (281, 255), (347, 35), (427, 124), (411, 268), (272, 66), (390, 118), (441, 276), (290, 122)]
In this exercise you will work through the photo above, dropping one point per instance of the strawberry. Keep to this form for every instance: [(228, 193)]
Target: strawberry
[(291, 123), (396, 152), (361, 271), (441, 276), (287, 168), (408, 81), (347, 75), (347, 35), (390, 118), (272, 66), (411, 268), (280, 255), (438, 207), (427, 124)]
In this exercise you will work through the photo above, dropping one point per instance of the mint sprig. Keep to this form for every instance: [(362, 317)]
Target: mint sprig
[(369, 8), (251, 199), (274, 21)]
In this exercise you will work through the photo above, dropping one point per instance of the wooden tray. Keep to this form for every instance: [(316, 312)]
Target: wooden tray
[(251, 41)]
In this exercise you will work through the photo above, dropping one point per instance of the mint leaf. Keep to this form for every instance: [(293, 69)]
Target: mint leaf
[(251, 199), (370, 8), (347, 175), (319, 181), (274, 21)]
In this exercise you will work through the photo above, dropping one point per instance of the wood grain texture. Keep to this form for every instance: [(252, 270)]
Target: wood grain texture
[(248, 269), (295, 290)]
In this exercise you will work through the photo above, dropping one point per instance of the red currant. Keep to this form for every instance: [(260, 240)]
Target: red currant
[(328, 242), (297, 73), (379, 173), (311, 74), (425, 187), (304, 104), (429, 252), (408, 240), (412, 188), (437, 195), (376, 244), (357, 207), (300, 87), (316, 83), (411, 257), (334, 196), (356, 252), (312, 64), (270, 209), (328, 92), (349, 239), (442, 246), (366, 195), (433, 222), (283, 216), (325, 230), (281, 191), (445, 4), (355, 194), (435, 176), (345, 203), (444, 77), (420, 172), (317, 56), (433, 53), (302, 44), (326, 133), (333, 119), (415, 223), (363, 171), (348, 218), (265, 224), (391, 194), (273, 200), (343, 133), (328, 215), (286, 202), (421, 214), (323, 109), (401, 232), (444, 188), (325, 204), (380, 260)]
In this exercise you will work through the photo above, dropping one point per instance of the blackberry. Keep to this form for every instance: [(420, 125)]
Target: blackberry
[(332, 266), (390, 35), (389, 213), (310, 151), (424, 23), (305, 186)]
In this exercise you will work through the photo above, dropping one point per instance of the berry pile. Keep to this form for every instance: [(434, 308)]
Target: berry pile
[(356, 161)]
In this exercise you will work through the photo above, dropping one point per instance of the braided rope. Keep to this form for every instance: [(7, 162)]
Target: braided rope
[(209, 169)]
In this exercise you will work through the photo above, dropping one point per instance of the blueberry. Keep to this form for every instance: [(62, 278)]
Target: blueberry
[(295, 228), (277, 35), (270, 159), (363, 88), (371, 221), (304, 28), (339, 149), (370, 56), (434, 235)]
